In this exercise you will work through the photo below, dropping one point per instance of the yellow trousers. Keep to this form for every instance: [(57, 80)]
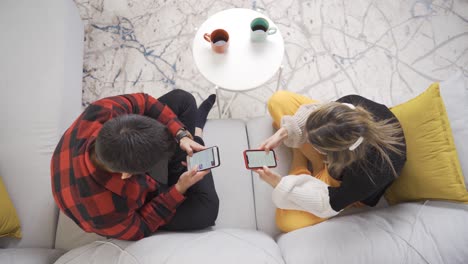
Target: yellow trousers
[(286, 103)]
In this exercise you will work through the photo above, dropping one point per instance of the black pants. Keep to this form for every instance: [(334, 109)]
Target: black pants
[(200, 208)]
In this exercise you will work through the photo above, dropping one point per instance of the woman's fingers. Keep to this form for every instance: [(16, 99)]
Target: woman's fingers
[(266, 170), (262, 146), (262, 174), (267, 145)]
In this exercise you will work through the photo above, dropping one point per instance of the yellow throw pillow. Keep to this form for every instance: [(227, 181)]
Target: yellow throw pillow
[(432, 169), (9, 222)]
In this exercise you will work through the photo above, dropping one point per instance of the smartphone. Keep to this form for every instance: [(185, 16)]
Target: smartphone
[(205, 159), (255, 158)]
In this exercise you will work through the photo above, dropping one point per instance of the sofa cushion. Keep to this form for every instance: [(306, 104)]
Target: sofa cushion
[(100, 252), (40, 77), (29, 255), (9, 222), (232, 180), (454, 92), (206, 246), (258, 130), (431, 232), (69, 235), (432, 169)]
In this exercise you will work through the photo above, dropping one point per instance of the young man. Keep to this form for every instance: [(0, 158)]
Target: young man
[(118, 170)]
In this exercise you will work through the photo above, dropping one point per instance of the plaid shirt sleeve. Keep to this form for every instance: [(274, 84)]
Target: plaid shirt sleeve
[(140, 223)]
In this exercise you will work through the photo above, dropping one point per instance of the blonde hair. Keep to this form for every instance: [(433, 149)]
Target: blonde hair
[(334, 127)]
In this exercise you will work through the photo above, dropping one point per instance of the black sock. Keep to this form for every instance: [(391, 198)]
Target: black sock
[(203, 111)]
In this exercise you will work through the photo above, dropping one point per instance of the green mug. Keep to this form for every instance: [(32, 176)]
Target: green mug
[(260, 29)]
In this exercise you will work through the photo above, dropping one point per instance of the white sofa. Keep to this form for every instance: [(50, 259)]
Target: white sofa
[(40, 78), (41, 65)]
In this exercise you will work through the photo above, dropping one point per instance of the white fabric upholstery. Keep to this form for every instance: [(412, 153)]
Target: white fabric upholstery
[(70, 235), (207, 246), (407, 233), (305, 193), (100, 252), (454, 93), (40, 80), (233, 181), (29, 255), (258, 130)]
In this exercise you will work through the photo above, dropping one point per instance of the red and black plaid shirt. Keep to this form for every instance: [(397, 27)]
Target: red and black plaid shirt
[(99, 201)]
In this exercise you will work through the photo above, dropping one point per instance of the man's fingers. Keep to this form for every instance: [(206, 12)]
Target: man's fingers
[(199, 176), (197, 146), (189, 151), (193, 171), (203, 173)]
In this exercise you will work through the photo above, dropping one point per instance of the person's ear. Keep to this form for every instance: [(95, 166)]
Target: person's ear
[(126, 175)]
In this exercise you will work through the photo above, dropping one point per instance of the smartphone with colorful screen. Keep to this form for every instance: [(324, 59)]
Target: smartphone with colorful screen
[(205, 159), (255, 158)]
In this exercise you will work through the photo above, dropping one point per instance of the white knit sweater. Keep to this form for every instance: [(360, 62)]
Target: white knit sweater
[(305, 193), (301, 192), (295, 125)]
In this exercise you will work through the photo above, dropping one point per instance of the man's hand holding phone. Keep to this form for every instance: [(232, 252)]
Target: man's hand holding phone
[(188, 145), (189, 178), (205, 159)]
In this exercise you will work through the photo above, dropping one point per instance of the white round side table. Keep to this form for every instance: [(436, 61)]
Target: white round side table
[(246, 64)]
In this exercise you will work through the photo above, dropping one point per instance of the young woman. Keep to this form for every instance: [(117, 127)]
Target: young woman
[(356, 149)]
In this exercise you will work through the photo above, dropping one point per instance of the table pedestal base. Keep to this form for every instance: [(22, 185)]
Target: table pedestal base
[(222, 113)]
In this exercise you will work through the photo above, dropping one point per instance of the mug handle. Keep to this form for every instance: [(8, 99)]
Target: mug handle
[(271, 31), (207, 37)]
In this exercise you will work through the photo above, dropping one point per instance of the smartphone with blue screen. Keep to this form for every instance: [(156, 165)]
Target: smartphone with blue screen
[(256, 158), (205, 159)]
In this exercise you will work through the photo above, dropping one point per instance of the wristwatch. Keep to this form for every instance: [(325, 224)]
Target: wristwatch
[(181, 134)]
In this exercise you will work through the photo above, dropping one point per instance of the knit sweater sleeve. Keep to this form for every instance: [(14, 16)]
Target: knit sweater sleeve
[(305, 193), (295, 125)]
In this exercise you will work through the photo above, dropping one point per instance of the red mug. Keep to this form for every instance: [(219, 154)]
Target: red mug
[(219, 40)]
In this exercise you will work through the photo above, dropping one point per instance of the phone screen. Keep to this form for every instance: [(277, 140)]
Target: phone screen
[(205, 159), (258, 159)]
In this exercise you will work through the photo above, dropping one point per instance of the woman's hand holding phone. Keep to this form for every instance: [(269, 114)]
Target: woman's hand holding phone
[(268, 176), (275, 140)]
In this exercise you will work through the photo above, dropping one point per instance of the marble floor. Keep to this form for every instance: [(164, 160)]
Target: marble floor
[(388, 51)]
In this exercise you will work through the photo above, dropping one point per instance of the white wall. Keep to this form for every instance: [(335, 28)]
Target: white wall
[(41, 58)]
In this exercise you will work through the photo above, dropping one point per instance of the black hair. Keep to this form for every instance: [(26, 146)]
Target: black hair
[(133, 143)]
